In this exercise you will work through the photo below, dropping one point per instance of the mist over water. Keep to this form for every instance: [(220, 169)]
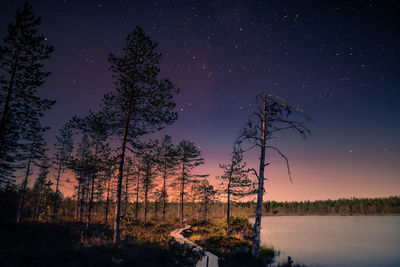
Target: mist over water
[(334, 240)]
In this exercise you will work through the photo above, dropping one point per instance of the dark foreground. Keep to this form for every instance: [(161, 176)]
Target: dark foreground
[(144, 244), (71, 244)]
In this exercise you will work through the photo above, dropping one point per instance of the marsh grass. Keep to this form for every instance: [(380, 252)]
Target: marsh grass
[(72, 244), (233, 250)]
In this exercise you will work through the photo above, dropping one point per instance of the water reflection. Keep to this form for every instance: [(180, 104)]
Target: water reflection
[(335, 240)]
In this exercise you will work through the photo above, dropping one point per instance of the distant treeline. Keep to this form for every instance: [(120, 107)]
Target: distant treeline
[(357, 206)]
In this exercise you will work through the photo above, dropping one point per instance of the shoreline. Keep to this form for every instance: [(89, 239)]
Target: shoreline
[(325, 215)]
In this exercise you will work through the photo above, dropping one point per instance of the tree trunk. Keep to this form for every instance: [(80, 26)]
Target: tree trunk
[(182, 193), (228, 204), (38, 204), (90, 202), (82, 200), (137, 197), (92, 190), (156, 203), (77, 199), (21, 202), (58, 182), (116, 238), (146, 189), (205, 209), (86, 198), (107, 201), (164, 196), (257, 224), (126, 193), (8, 98)]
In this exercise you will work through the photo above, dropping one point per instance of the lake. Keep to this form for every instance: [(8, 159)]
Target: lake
[(334, 240)]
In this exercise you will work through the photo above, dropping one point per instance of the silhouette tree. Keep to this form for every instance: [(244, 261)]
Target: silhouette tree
[(147, 183), (21, 63), (40, 187), (141, 102), (206, 193), (129, 171), (94, 127), (63, 148), (35, 148), (167, 162), (189, 157), (273, 115), (138, 172), (108, 175), (235, 182)]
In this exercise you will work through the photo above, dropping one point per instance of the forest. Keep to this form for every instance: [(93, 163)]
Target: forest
[(130, 190)]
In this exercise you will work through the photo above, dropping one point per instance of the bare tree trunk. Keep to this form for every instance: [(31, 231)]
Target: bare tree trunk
[(137, 197), (228, 206), (90, 202), (92, 190), (182, 193), (126, 194), (116, 237), (107, 201), (257, 224), (82, 200), (24, 184), (164, 196), (146, 189), (38, 204), (58, 183), (156, 204), (86, 197), (77, 199), (205, 209)]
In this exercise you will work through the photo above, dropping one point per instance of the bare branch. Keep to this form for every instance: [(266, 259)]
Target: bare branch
[(254, 171), (287, 161)]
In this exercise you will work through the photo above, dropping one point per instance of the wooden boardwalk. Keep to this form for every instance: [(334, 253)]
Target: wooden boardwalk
[(209, 260)]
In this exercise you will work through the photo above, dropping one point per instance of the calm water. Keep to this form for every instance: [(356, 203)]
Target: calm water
[(335, 240)]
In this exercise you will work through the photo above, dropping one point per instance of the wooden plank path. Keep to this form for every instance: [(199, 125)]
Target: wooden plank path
[(209, 260)]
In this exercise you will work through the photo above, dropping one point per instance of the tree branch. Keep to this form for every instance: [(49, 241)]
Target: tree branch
[(283, 156), (254, 171)]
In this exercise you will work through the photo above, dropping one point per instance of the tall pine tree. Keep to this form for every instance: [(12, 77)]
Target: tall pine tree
[(21, 74), (141, 102), (63, 148), (35, 147), (189, 157), (235, 183)]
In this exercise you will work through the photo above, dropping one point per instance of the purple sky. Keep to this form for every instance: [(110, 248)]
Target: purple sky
[(338, 61)]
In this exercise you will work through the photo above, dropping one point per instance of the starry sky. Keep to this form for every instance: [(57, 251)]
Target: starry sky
[(338, 61)]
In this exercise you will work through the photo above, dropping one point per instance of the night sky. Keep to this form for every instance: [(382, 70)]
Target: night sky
[(337, 61)]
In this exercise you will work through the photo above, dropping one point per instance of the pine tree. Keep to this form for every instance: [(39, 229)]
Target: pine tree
[(148, 153), (35, 147), (206, 193), (235, 183), (129, 172), (189, 157), (40, 187), (273, 115), (21, 62), (167, 164), (63, 148), (93, 126), (141, 102)]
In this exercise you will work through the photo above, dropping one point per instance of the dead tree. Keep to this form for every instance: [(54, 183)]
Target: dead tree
[(273, 116)]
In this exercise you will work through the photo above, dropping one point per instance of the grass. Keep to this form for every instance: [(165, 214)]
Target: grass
[(234, 250), (71, 244)]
